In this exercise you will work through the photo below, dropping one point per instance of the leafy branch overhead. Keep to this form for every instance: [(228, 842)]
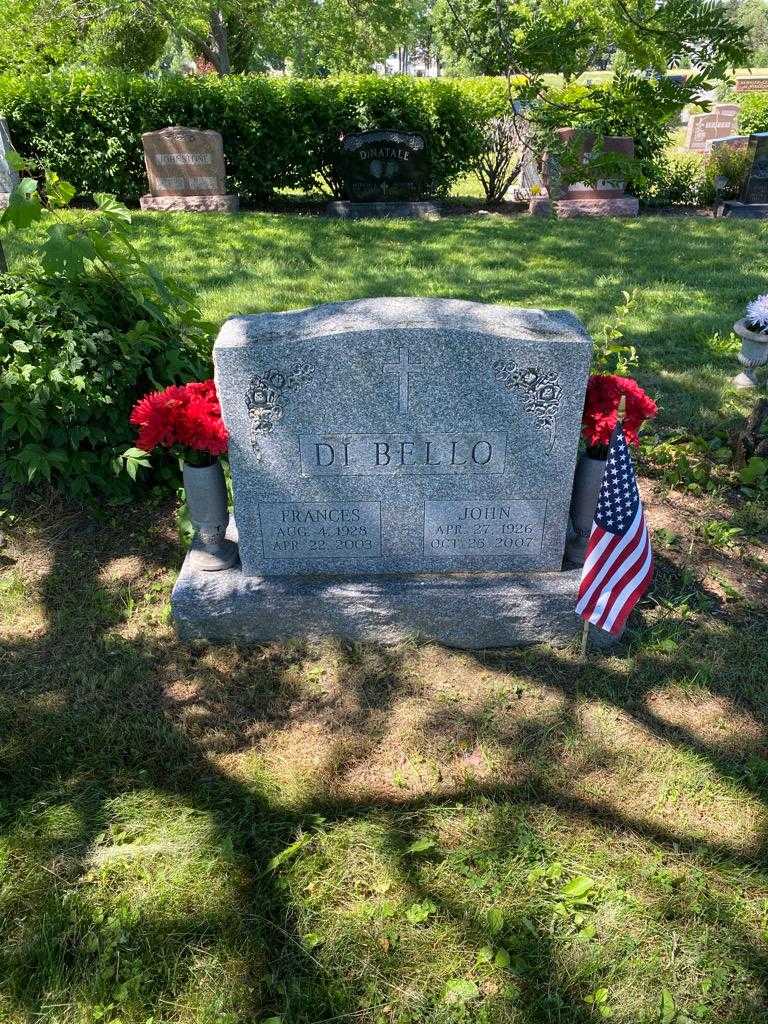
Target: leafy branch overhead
[(232, 36)]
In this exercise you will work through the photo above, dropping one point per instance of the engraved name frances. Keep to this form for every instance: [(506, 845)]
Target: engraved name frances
[(320, 530)]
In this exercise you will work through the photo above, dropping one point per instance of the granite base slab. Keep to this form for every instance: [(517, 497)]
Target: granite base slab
[(540, 206), (190, 204), (471, 611), (5, 198), (358, 211), (626, 206), (743, 211)]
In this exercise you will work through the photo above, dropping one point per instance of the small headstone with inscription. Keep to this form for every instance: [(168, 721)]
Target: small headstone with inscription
[(399, 466), (383, 174), (752, 203), (751, 83), (186, 172), (602, 198), (9, 179), (703, 129)]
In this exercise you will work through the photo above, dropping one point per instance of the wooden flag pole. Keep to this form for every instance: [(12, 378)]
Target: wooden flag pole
[(620, 414)]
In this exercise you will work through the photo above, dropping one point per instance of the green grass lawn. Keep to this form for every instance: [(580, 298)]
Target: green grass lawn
[(693, 277), (331, 833)]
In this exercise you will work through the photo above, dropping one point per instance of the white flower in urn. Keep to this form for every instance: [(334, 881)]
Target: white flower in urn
[(757, 315)]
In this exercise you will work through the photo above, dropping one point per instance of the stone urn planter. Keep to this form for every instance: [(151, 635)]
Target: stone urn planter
[(206, 492), (754, 353), (586, 488)]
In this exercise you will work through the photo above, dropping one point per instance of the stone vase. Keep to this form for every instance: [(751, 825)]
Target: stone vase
[(206, 492), (754, 353), (586, 488)]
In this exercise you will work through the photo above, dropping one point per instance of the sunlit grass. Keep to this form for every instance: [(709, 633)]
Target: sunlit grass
[(325, 832)]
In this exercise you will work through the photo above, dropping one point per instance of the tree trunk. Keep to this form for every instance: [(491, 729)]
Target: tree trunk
[(219, 44), (3, 261)]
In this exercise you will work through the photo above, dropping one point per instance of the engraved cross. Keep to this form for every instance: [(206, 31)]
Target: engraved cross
[(405, 368)]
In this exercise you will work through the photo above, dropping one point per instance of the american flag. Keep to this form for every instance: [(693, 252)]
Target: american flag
[(619, 563)]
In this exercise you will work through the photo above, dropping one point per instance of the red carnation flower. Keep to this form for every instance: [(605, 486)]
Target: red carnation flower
[(601, 407), (186, 416)]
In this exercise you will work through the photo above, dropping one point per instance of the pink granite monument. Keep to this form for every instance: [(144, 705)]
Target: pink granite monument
[(186, 172), (605, 198), (703, 129)]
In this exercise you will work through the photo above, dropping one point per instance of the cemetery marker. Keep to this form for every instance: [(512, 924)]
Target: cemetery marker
[(396, 463)]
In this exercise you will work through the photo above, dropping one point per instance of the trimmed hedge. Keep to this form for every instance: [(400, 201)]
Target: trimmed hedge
[(753, 116), (278, 133)]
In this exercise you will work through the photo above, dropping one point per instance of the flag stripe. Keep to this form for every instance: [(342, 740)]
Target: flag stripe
[(641, 585), (598, 606), (591, 586), (599, 539), (626, 583)]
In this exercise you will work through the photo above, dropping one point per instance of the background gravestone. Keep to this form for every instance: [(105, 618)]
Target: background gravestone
[(397, 436), (704, 128), (9, 179), (186, 171), (603, 198), (749, 83), (383, 173), (755, 188)]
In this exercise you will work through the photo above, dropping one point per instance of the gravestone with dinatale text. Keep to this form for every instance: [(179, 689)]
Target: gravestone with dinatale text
[(384, 174), (380, 166), (387, 455)]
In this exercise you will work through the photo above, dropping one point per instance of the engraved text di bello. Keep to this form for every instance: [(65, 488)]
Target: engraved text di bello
[(374, 454)]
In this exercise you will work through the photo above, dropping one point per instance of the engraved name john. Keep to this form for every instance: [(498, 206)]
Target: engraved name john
[(374, 454)]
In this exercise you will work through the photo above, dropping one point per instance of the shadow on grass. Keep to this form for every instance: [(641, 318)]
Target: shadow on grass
[(90, 717)]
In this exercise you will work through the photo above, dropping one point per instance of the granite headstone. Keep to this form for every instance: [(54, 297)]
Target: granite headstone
[(402, 435), (704, 128), (751, 83), (396, 464), (602, 198), (379, 166), (186, 171), (384, 173), (9, 178), (755, 188)]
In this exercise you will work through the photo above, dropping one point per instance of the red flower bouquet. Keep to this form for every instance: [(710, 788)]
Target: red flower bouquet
[(601, 407), (184, 417)]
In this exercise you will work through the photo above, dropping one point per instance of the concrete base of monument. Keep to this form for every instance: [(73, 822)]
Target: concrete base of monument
[(358, 211), (190, 204), (743, 211), (625, 206), (463, 610)]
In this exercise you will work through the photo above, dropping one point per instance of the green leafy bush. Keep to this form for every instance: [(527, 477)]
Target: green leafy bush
[(674, 179), (278, 133), (629, 105), (89, 329), (72, 363), (753, 116)]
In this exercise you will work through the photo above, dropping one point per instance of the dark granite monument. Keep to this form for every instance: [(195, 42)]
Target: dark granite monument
[(383, 174), (400, 466), (752, 204)]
